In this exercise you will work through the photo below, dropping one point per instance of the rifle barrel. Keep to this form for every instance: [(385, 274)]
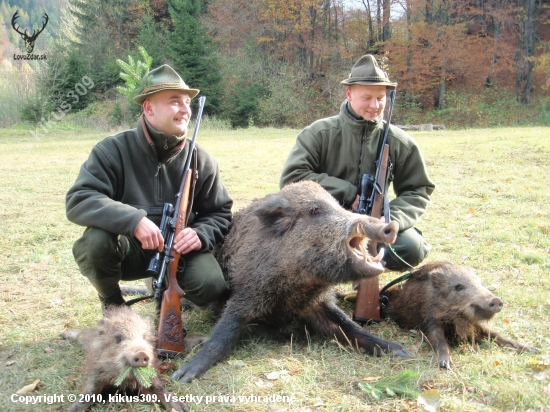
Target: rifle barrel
[(187, 167)]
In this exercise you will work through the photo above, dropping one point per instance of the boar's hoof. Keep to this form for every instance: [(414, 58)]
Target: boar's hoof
[(190, 371), (445, 363), (399, 353), (183, 376), (524, 348), (392, 349), (520, 347)]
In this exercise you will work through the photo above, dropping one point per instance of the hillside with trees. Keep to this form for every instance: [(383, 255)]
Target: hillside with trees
[(464, 63)]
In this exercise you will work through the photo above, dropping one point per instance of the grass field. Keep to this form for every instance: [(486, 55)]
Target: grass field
[(491, 211)]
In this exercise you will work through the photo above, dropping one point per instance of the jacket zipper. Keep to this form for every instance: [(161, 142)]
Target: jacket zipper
[(363, 140), (159, 188)]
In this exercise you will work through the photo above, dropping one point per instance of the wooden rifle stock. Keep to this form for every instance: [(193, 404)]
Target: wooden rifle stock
[(171, 332), (367, 304)]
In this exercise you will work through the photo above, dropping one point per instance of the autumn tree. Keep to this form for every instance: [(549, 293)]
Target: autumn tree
[(528, 18)]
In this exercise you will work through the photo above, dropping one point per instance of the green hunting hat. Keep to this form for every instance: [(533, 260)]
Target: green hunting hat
[(367, 72), (163, 78)]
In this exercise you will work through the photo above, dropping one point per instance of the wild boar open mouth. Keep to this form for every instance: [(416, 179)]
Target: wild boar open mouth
[(358, 247)]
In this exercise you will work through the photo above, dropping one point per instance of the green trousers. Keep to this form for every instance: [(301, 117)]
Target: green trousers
[(409, 246), (106, 258)]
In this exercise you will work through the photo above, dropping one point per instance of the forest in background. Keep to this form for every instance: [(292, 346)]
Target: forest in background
[(463, 63)]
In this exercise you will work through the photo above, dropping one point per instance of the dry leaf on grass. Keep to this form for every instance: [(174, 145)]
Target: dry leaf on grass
[(371, 378), (272, 376), (540, 369), (263, 384), (238, 363), (539, 365), (540, 374), (430, 400), (25, 390)]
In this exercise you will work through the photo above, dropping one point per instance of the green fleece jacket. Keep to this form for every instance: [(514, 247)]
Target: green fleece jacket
[(328, 152), (123, 180)]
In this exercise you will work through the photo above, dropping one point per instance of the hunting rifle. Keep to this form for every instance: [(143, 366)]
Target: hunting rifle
[(164, 265), (373, 197)]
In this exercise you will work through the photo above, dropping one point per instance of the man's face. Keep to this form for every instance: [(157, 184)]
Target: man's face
[(367, 101), (168, 111)]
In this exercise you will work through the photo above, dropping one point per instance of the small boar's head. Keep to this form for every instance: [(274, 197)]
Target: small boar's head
[(126, 338), (461, 291)]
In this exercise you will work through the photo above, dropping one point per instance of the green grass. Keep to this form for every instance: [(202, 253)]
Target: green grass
[(491, 211)]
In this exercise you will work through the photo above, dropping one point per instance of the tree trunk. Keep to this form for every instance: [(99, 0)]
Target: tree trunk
[(428, 16), (530, 33), (496, 33), (442, 85), (386, 27), (379, 19), (371, 41), (442, 21), (527, 31), (409, 37), (519, 59)]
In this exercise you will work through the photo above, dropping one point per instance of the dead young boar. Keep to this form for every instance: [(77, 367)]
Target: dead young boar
[(123, 338), (448, 303), (283, 254)]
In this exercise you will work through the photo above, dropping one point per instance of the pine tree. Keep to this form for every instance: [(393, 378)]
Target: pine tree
[(152, 38), (105, 30), (191, 53), (134, 74)]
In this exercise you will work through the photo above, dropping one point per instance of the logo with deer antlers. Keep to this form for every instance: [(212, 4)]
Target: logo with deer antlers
[(29, 40)]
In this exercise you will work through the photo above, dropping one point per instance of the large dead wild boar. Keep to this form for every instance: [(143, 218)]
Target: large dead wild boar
[(123, 338), (283, 254), (448, 303)]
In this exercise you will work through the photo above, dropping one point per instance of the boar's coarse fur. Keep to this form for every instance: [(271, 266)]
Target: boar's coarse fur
[(122, 338), (283, 255), (448, 303)]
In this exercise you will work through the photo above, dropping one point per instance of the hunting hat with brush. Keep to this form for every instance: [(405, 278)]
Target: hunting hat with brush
[(163, 78), (367, 72)]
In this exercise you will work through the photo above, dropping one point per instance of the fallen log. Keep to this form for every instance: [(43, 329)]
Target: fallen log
[(428, 127)]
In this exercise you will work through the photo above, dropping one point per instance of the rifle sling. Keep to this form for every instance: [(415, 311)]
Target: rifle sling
[(395, 281), (136, 300)]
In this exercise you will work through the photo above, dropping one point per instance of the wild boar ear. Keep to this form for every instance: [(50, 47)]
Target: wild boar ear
[(276, 214)]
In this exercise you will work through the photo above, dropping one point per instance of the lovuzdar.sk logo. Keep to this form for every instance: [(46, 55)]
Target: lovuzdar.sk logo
[(29, 40)]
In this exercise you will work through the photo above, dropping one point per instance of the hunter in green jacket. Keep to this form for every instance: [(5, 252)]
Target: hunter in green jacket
[(337, 151), (121, 189)]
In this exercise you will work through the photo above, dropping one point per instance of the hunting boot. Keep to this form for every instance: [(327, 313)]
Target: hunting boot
[(108, 291)]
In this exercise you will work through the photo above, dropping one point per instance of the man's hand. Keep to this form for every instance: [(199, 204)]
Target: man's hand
[(149, 235), (186, 241)]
